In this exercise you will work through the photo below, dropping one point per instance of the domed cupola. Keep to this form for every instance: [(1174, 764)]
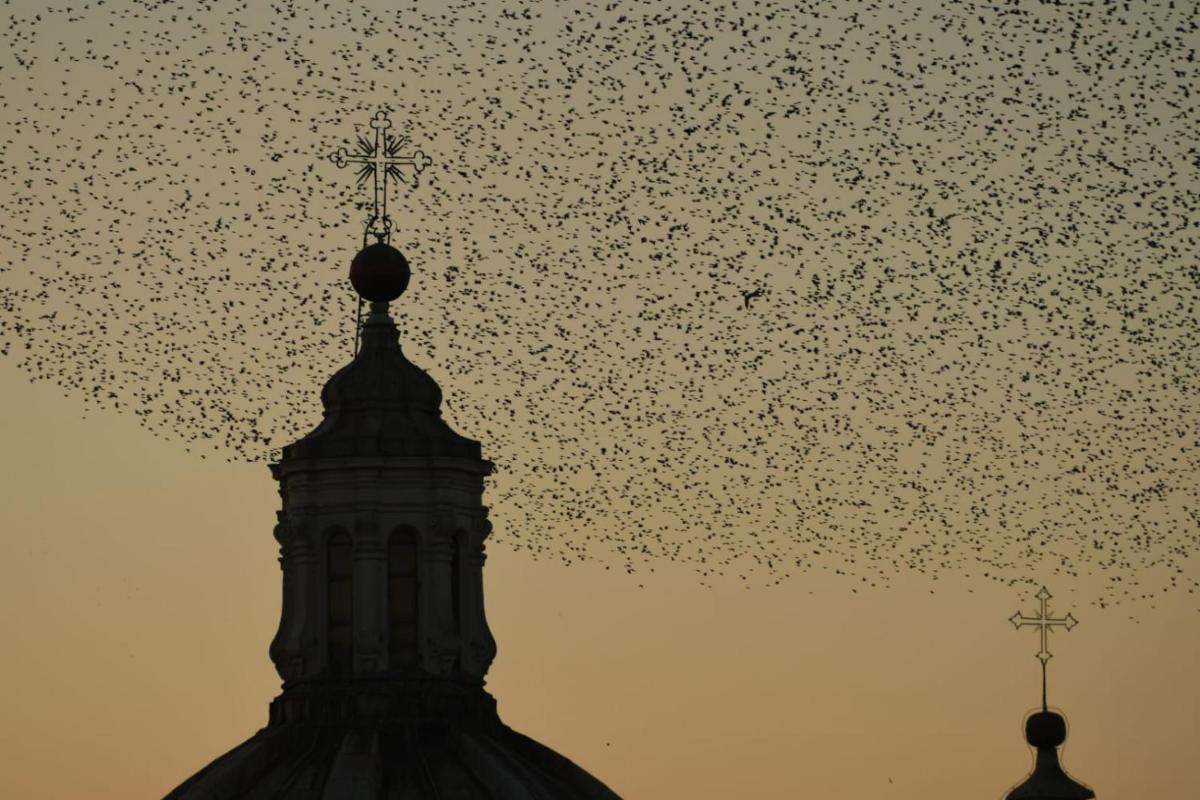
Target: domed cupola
[(1046, 730), (381, 404), (383, 643)]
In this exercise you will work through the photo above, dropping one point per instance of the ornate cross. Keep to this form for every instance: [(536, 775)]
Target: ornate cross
[(1044, 622), (381, 159)]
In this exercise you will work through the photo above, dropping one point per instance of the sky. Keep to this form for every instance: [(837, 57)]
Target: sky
[(808, 342)]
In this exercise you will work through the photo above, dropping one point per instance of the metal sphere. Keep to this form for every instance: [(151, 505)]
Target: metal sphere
[(379, 273), (1045, 729)]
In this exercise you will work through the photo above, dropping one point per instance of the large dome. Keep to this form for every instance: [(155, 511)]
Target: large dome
[(430, 746)]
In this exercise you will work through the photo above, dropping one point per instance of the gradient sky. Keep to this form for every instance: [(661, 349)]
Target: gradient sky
[(743, 548)]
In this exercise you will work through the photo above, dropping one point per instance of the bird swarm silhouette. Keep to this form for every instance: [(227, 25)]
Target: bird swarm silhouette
[(757, 287)]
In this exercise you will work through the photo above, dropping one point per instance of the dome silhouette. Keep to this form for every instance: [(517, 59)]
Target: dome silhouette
[(383, 645), (1046, 730)]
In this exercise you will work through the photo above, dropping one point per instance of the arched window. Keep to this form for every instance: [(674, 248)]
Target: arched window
[(402, 596), (340, 604)]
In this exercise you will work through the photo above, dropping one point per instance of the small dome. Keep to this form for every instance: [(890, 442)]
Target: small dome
[(379, 273), (1046, 731), (381, 404)]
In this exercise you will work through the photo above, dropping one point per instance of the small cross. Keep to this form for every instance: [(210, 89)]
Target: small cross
[(1044, 622), (381, 159)]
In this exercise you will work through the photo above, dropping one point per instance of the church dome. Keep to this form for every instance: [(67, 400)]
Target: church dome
[(383, 644), (435, 747), (1046, 730)]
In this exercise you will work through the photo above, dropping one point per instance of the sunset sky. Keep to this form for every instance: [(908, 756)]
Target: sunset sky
[(809, 342)]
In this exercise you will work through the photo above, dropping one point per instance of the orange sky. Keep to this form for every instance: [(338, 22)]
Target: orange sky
[(140, 590)]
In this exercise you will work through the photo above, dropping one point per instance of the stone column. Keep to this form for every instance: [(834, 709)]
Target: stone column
[(296, 647), (437, 653), (479, 648), (280, 646)]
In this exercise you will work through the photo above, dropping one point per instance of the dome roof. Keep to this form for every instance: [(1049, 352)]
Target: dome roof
[(459, 750), (1046, 730), (381, 404)]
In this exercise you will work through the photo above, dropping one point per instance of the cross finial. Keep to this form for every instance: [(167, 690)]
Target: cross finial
[(380, 121), (1044, 622), (381, 159)]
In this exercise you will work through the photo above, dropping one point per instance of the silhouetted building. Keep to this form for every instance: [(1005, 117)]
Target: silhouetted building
[(1046, 731), (383, 643)]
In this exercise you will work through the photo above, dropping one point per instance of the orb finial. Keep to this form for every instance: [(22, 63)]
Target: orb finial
[(379, 273)]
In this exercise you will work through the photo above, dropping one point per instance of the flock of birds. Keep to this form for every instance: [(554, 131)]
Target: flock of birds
[(757, 288)]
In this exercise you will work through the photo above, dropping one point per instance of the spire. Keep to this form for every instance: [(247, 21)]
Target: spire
[(1046, 730)]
